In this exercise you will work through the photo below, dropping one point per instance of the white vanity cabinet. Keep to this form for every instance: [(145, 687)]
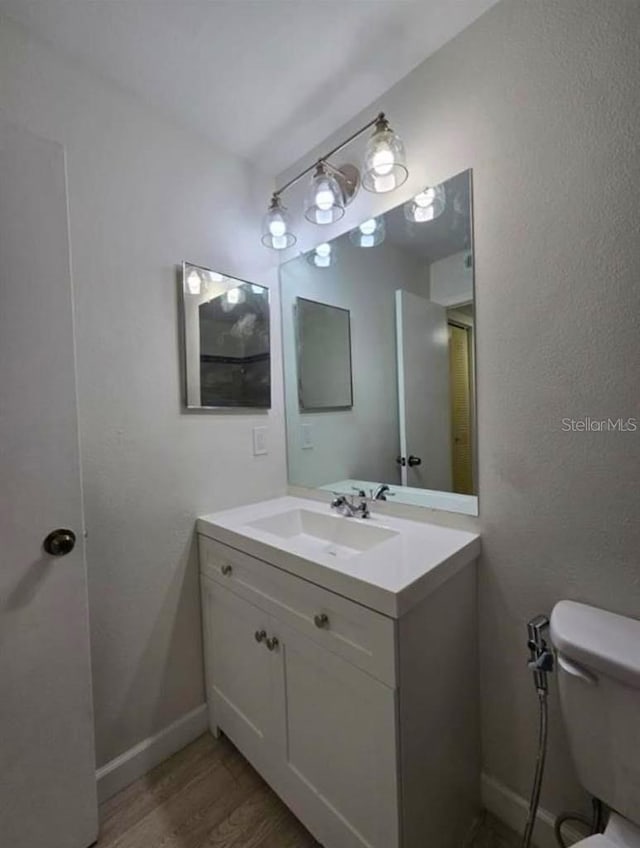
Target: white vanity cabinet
[(364, 724)]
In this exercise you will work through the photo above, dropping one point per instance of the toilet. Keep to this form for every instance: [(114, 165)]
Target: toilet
[(598, 668)]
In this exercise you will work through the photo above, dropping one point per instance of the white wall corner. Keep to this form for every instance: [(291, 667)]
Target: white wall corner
[(513, 809), (137, 761)]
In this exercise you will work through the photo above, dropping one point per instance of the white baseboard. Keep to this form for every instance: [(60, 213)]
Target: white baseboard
[(513, 809), (135, 762)]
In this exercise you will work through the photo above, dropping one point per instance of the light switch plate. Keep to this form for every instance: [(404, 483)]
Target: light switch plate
[(260, 441), (306, 436)]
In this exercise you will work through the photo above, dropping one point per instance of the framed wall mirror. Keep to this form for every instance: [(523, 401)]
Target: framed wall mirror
[(226, 353), (323, 336), (406, 282)]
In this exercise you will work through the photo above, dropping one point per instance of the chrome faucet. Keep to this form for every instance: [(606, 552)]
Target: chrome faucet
[(348, 507), (381, 492)]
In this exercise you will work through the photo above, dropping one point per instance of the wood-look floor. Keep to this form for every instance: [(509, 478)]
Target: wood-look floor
[(205, 795), (208, 796)]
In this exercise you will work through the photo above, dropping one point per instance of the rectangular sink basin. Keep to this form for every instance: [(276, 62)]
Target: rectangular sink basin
[(329, 535)]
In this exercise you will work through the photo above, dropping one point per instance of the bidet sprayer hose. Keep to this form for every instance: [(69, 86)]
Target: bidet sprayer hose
[(542, 753), (540, 663)]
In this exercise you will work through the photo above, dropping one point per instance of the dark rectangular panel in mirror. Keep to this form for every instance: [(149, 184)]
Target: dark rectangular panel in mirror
[(324, 356)]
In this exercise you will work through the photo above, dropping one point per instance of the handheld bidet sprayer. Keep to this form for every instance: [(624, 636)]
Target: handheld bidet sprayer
[(540, 655)]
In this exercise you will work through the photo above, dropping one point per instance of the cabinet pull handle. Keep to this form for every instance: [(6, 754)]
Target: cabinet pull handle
[(272, 643), (321, 620), (226, 569), (260, 635)]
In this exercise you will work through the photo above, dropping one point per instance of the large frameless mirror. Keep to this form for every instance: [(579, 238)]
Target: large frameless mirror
[(404, 281), (226, 348)]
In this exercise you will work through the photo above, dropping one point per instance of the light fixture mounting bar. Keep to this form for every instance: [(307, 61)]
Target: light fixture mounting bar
[(378, 119)]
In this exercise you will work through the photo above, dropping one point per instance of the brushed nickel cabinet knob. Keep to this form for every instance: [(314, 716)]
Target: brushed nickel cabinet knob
[(260, 635), (226, 569), (321, 620), (272, 643)]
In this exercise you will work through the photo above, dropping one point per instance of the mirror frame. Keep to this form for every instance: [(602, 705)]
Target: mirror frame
[(182, 346)]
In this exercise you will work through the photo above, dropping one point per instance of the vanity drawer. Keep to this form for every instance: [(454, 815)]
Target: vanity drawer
[(363, 637)]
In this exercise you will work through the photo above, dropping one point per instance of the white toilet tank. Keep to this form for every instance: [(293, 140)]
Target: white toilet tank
[(599, 683)]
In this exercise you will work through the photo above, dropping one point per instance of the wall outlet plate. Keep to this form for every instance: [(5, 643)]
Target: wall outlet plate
[(260, 441), (306, 436)]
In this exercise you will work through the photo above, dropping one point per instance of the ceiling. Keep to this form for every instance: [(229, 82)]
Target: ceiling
[(266, 79)]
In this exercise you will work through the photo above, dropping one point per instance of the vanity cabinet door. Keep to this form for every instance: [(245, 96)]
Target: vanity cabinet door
[(339, 746), (240, 671)]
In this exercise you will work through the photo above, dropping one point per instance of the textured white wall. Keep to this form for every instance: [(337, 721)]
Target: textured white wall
[(143, 195), (540, 98), (361, 442)]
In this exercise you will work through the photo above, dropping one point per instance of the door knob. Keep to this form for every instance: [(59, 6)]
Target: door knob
[(59, 542), (413, 461)]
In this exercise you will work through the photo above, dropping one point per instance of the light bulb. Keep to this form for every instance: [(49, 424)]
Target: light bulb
[(233, 296), (277, 227), (193, 282), (367, 241), (323, 249), (321, 261), (383, 161), (324, 197), (367, 228)]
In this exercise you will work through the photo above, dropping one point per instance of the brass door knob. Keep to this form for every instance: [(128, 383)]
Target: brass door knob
[(260, 635), (226, 570), (321, 620), (272, 643), (59, 542)]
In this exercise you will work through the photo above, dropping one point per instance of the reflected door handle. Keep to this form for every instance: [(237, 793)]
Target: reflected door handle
[(59, 542), (413, 461)]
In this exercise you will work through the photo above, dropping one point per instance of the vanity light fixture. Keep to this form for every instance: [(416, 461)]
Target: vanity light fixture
[(325, 199), (332, 189), (369, 234), (275, 226), (384, 159)]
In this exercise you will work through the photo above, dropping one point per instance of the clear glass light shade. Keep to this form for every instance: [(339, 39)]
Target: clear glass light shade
[(276, 232), (323, 256), (370, 233), (324, 203), (384, 166), (427, 205)]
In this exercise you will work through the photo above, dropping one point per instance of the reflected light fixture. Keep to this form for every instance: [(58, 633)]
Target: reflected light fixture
[(332, 189), (275, 226), (369, 234), (428, 205), (321, 256)]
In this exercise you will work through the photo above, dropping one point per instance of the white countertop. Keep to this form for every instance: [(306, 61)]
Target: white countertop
[(391, 577)]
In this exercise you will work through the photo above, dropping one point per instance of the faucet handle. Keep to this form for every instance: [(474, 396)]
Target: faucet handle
[(360, 492)]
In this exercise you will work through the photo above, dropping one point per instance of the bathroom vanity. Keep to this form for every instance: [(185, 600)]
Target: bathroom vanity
[(341, 660)]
